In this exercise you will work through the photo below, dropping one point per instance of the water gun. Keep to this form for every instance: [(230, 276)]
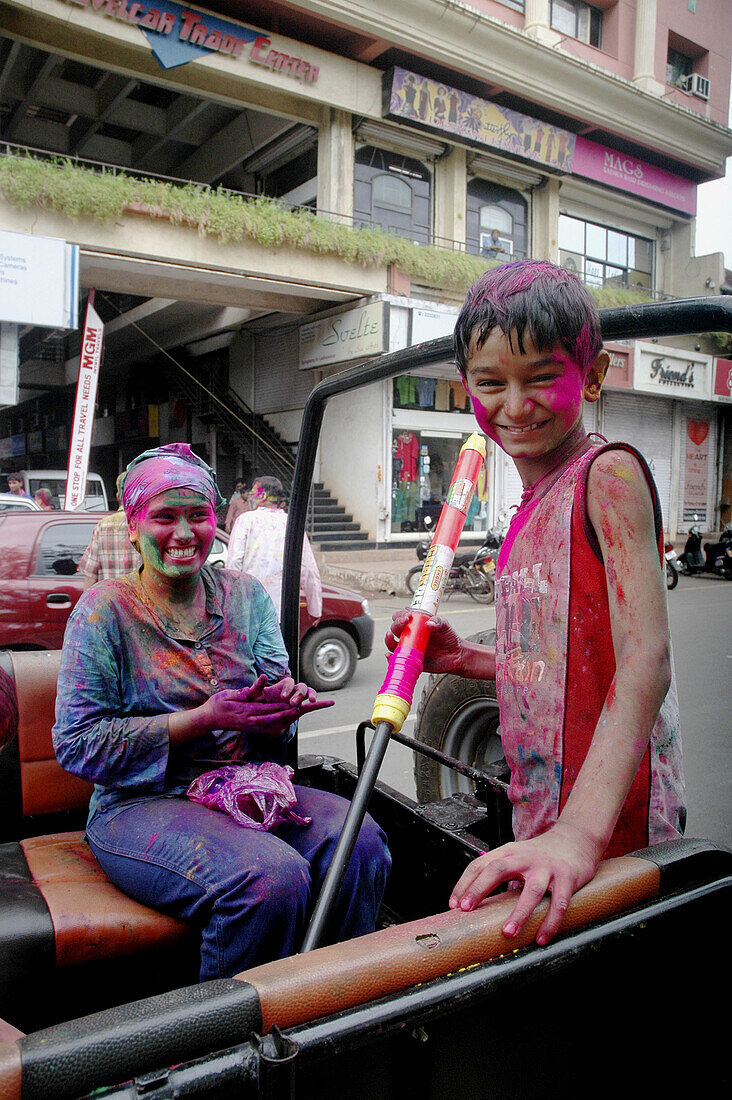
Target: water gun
[(405, 665), (394, 700)]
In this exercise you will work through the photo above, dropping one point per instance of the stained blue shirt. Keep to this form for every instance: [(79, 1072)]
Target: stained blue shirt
[(123, 672)]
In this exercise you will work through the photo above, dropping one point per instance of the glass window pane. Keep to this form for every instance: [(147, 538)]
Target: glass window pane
[(495, 217), (617, 247), (594, 273), (596, 241), (389, 191), (571, 234), (62, 546), (639, 278), (583, 23), (564, 16), (642, 257), (615, 275), (572, 261)]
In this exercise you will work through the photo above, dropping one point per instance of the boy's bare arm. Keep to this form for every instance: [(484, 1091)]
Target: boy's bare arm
[(566, 857)]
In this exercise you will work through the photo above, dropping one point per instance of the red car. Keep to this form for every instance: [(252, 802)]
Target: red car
[(39, 585)]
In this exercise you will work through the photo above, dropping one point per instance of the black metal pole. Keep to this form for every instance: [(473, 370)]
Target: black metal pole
[(351, 827)]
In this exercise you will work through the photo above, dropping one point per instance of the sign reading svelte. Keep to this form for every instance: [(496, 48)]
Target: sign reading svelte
[(178, 34), (90, 359)]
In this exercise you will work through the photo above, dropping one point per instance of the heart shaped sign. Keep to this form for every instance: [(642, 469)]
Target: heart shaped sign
[(697, 431)]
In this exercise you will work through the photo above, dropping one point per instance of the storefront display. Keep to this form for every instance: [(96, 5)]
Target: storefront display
[(422, 462)]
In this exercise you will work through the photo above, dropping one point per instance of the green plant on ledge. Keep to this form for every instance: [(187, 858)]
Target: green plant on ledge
[(78, 192)]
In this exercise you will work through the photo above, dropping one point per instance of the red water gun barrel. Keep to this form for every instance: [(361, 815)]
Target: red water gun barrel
[(394, 700)]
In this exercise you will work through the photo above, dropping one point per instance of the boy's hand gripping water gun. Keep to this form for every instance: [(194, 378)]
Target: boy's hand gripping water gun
[(394, 700), (405, 665)]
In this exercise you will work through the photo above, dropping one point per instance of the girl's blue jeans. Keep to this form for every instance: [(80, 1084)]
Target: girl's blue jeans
[(250, 892)]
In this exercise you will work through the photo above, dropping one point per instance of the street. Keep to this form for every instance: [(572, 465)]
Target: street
[(700, 612)]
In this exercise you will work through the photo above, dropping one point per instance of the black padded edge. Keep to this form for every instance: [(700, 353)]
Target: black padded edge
[(687, 863), (71, 1059), (27, 940)]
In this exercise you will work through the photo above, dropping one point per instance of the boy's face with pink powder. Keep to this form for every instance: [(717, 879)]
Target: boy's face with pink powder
[(529, 403)]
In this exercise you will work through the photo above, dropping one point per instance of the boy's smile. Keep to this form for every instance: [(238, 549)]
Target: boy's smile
[(528, 403)]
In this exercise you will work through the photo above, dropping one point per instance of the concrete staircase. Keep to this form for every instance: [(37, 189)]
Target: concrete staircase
[(331, 528)]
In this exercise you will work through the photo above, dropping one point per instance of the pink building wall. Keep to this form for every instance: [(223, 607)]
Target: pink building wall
[(705, 35)]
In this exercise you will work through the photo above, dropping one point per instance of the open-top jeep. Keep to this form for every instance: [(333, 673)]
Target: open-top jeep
[(98, 994)]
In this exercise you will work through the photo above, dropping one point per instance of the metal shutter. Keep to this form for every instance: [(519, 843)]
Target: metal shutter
[(647, 424)]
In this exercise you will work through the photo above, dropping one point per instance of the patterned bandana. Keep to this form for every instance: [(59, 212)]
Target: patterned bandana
[(172, 466)]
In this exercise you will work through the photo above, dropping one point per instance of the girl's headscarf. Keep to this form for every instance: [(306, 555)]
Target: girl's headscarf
[(172, 466)]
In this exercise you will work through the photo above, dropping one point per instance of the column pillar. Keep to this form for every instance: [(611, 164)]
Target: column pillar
[(336, 151), (9, 363), (451, 181), (536, 22), (545, 221), (644, 55)]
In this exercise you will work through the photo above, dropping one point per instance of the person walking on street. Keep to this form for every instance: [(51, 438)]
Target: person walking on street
[(257, 546), (238, 503)]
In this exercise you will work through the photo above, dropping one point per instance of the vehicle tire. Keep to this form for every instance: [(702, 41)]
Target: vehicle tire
[(459, 717), (672, 576), (413, 578), (328, 658), (480, 586)]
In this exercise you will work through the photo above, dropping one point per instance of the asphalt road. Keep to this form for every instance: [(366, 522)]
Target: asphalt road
[(700, 612)]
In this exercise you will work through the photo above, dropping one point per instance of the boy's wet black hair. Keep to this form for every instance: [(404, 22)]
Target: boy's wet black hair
[(534, 298)]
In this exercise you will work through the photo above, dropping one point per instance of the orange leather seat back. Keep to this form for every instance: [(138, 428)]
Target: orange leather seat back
[(45, 786)]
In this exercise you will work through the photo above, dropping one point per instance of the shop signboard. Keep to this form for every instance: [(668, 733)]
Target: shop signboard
[(178, 33), (696, 470), (13, 446), (672, 372), (620, 368), (722, 380), (430, 324), (90, 358), (344, 336), (432, 105), (39, 281)]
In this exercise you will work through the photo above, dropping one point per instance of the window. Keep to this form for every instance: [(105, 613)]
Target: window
[(497, 221), (678, 67), (577, 20), (61, 549), (602, 255)]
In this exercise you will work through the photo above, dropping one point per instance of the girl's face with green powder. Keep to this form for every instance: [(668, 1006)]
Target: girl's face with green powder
[(174, 532)]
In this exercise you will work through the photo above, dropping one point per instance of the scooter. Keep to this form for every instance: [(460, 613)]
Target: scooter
[(471, 572), (716, 557), (672, 565)]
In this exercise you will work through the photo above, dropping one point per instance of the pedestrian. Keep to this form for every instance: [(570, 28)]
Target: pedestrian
[(582, 661), (172, 671), (15, 486), (238, 503), (110, 553), (43, 499), (257, 546)]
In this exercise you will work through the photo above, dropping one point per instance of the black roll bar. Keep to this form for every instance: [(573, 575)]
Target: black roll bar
[(645, 319)]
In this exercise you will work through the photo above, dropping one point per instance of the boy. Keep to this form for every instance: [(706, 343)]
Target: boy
[(589, 715)]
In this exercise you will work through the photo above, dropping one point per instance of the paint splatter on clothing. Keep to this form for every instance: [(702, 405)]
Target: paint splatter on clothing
[(555, 666), (257, 546), (124, 670)]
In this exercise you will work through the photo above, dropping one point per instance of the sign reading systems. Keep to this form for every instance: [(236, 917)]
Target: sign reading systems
[(179, 34)]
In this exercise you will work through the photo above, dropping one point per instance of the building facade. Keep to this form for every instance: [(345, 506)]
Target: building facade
[(262, 194)]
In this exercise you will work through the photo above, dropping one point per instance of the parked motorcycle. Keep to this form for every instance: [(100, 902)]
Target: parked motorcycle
[(471, 572), (715, 558), (672, 565)]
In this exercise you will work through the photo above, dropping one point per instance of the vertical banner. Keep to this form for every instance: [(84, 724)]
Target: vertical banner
[(696, 470), (86, 395)]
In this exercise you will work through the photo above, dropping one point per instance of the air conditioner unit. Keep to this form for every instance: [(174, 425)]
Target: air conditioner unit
[(697, 85)]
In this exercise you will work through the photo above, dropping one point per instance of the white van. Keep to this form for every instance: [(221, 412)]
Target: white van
[(95, 499)]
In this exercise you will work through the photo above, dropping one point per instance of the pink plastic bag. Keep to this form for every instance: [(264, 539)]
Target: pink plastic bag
[(257, 796)]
